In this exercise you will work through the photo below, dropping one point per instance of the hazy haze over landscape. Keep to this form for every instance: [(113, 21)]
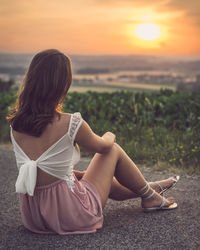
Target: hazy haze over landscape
[(17, 63)]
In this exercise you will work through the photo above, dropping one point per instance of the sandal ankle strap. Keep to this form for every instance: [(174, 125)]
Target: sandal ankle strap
[(146, 186), (143, 188), (149, 196)]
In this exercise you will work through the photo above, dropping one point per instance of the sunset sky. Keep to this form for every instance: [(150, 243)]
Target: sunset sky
[(101, 26)]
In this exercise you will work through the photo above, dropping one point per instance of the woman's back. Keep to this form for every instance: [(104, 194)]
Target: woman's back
[(52, 198), (34, 147)]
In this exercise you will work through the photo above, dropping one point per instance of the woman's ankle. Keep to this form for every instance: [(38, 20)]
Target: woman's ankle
[(146, 192), (153, 201)]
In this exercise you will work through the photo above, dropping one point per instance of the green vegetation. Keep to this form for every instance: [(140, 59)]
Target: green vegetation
[(92, 71), (153, 128), (7, 99), (6, 86)]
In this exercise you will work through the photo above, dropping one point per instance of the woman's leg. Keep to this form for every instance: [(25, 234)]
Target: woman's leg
[(117, 191), (120, 193), (117, 163)]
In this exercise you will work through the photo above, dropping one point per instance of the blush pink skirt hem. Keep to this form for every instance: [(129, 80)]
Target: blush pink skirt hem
[(55, 209)]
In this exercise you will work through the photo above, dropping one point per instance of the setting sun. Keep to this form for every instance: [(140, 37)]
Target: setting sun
[(141, 27), (148, 31)]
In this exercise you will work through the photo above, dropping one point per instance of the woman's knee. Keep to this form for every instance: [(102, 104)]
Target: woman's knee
[(116, 145), (115, 149)]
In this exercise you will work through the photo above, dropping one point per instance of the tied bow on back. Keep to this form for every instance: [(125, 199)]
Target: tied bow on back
[(26, 180)]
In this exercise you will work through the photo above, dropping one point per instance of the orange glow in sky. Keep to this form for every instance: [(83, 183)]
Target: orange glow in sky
[(101, 27), (148, 31)]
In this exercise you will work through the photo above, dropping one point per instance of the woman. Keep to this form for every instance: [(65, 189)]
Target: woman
[(53, 197)]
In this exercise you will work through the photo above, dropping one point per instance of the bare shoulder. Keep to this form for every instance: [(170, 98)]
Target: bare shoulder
[(53, 131), (64, 117), (35, 146), (61, 123)]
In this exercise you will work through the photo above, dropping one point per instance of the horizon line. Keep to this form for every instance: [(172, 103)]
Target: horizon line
[(108, 54)]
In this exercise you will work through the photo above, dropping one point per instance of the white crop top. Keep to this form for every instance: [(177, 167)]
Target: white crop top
[(58, 160)]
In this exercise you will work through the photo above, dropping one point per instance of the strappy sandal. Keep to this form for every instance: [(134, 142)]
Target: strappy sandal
[(175, 179), (161, 207)]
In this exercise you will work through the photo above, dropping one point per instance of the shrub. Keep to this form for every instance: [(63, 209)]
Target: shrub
[(152, 127)]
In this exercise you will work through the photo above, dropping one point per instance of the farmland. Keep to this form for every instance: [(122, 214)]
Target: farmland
[(118, 86)]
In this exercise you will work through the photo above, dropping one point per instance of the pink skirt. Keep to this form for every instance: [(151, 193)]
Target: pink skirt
[(56, 209)]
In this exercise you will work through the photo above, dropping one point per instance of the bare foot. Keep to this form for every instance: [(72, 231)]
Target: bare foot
[(156, 201), (165, 184)]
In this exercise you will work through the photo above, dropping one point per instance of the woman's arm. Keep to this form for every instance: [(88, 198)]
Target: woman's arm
[(87, 139)]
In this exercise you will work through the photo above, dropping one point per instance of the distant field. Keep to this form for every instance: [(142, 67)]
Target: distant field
[(118, 86), (142, 86), (85, 88)]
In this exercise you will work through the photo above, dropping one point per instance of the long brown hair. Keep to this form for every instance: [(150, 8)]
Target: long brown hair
[(45, 86)]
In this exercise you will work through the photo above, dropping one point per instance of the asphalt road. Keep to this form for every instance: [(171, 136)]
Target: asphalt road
[(126, 226)]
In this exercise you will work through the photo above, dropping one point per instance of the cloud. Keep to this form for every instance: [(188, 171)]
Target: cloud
[(190, 8)]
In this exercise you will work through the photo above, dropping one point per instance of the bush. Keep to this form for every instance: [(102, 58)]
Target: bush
[(154, 127), (6, 85), (151, 127), (7, 99)]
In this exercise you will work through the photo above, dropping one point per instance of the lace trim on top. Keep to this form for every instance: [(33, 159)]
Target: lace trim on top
[(75, 124), (70, 179)]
